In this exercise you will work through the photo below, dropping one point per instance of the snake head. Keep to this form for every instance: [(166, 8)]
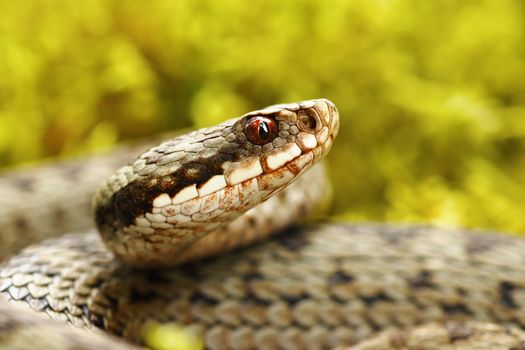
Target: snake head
[(176, 193)]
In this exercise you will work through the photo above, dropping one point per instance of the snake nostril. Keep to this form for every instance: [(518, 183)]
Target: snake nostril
[(307, 120)]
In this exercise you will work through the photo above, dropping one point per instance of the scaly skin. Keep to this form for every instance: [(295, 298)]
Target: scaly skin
[(316, 288), (21, 330), (451, 336), (37, 203)]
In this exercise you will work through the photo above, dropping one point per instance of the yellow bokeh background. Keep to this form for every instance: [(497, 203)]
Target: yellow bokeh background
[(431, 93)]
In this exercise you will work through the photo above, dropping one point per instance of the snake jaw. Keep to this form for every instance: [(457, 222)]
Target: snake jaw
[(152, 211)]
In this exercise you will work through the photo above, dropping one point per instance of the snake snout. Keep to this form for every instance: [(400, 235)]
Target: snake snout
[(320, 118)]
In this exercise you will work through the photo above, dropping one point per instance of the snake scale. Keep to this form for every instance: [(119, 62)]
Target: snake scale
[(314, 286)]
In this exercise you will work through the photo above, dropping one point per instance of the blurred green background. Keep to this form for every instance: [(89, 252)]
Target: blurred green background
[(431, 93)]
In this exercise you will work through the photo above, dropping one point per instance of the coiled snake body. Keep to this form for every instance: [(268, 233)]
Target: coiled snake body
[(316, 287)]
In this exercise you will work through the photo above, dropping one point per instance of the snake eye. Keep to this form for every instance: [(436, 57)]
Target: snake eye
[(261, 130)]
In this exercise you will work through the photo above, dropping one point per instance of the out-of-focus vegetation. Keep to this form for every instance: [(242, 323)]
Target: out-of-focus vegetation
[(431, 93), (170, 336)]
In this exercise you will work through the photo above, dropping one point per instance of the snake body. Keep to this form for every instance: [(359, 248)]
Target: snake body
[(311, 287)]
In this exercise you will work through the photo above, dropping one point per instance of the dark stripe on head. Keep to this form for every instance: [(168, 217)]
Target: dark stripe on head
[(136, 198)]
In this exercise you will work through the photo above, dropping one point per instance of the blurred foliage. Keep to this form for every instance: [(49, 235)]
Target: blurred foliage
[(170, 336), (431, 93)]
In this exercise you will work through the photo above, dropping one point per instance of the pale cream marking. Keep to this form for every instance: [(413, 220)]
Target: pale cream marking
[(214, 184), (229, 197), (276, 179), (206, 216), (186, 194), (334, 124), (248, 189), (155, 217), (179, 219), (279, 157), (210, 203), (286, 114), (181, 233), (257, 198), (154, 238), (162, 225), (171, 210), (327, 145), (308, 104), (188, 225), (244, 170), (142, 221), (318, 153), (156, 210), (191, 207), (144, 230), (227, 216), (322, 134), (324, 111), (162, 200), (306, 141), (301, 163)]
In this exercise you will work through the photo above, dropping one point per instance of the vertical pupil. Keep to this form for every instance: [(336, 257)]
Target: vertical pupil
[(264, 130)]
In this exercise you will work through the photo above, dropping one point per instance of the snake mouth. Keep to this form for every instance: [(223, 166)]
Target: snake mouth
[(184, 189)]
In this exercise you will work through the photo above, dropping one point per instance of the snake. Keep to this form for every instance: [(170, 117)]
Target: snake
[(164, 220)]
